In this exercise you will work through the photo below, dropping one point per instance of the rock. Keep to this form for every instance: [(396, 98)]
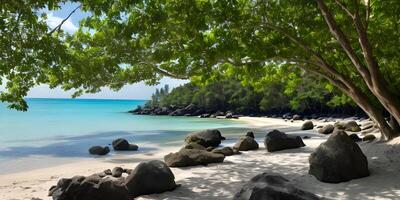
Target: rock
[(250, 134), (354, 137), (192, 157), (339, 159), (246, 143), (107, 172), (308, 125), (122, 144), (205, 138), (117, 172), (194, 146), (287, 116), (369, 138), (306, 137), (206, 115), (276, 141), (177, 112), (327, 129), (98, 150), (89, 188), (269, 186), (229, 115), (296, 117), (150, 177), (352, 126), (210, 148), (226, 151)]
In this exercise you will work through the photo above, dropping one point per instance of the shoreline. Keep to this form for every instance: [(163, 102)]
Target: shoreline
[(222, 180)]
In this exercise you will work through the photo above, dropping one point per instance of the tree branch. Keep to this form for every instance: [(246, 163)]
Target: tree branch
[(344, 8), (162, 71), (58, 27), (343, 41)]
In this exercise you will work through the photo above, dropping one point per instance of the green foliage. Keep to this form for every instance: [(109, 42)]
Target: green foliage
[(298, 92), (127, 41)]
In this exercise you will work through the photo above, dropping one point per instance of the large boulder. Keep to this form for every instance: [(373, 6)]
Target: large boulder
[(121, 144), (192, 157), (226, 151), (150, 177), (268, 186), (338, 159), (246, 143), (276, 141), (92, 187), (327, 129), (99, 150), (205, 138), (308, 125)]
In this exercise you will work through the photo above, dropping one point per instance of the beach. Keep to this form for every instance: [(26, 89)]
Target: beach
[(223, 180)]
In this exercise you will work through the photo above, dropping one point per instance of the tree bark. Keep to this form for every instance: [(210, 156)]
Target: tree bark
[(370, 73)]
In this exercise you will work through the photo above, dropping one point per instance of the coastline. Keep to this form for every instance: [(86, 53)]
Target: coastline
[(223, 180)]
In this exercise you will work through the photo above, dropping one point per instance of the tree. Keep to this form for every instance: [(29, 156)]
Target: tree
[(345, 42)]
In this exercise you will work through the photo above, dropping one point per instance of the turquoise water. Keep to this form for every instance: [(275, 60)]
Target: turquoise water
[(68, 127)]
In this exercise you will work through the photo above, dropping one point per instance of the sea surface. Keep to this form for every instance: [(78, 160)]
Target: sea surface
[(68, 127)]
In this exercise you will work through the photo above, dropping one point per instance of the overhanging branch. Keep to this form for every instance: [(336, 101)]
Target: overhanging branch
[(58, 27)]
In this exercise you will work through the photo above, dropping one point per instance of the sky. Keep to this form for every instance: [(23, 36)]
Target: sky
[(136, 91)]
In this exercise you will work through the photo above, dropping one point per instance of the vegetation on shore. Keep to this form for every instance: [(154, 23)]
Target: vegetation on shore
[(296, 95)]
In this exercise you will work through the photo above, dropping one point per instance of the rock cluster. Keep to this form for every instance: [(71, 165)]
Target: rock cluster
[(147, 178)]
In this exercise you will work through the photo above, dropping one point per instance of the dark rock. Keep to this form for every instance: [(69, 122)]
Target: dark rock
[(296, 117), (150, 177), (275, 187), (306, 137), (117, 172), (121, 144), (205, 138), (338, 159), (206, 115), (250, 134), (276, 141), (210, 148), (308, 125), (98, 150), (192, 157), (177, 112), (89, 188), (352, 126), (369, 138), (287, 116), (229, 115), (107, 172), (226, 151), (355, 137), (194, 146), (327, 129), (246, 143)]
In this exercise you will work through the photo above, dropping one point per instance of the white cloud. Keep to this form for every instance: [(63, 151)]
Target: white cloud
[(54, 21)]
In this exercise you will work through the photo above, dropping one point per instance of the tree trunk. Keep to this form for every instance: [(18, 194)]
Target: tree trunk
[(373, 112)]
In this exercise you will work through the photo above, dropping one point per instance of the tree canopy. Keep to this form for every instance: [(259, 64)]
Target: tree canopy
[(352, 44)]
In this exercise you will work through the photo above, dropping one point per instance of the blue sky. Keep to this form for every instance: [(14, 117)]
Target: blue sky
[(136, 91)]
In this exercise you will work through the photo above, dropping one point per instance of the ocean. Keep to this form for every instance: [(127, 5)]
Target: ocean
[(68, 127)]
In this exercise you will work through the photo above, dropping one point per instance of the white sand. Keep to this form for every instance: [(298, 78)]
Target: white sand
[(223, 180)]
